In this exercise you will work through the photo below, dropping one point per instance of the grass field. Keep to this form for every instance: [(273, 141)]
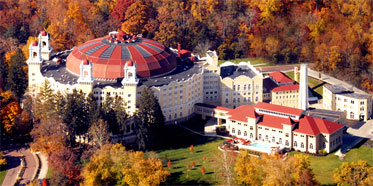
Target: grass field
[(314, 84), (2, 175), (49, 173), (323, 167), (253, 60)]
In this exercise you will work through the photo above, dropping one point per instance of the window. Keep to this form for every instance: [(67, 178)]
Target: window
[(302, 145), (181, 114), (280, 140), (234, 100), (256, 99), (233, 131), (362, 102), (361, 108), (295, 143), (251, 127), (226, 100), (273, 139), (311, 146), (287, 143), (266, 137), (245, 133), (251, 135), (352, 102), (238, 87), (351, 115), (239, 132), (260, 136)]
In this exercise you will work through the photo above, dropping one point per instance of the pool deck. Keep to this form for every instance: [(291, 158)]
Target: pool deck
[(259, 149)]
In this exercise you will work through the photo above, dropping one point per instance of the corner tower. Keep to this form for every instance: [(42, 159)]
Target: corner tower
[(44, 43), (34, 63), (129, 83), (86, 79)]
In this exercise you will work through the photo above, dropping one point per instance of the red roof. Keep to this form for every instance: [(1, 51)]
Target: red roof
[(314, 126), (280, 77), (286, 88), (129, 63), (224, 108), (34, 43), (44, 33), (274, 121), (279, 108), (85, 62), (242, 112), (151, 57)]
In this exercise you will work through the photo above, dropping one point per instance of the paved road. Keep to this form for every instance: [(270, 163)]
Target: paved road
[(15, 165), (30, 167), (366, 130), (14, 162)]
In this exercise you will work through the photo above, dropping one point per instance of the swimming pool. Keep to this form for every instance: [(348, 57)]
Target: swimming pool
[(256, 146)]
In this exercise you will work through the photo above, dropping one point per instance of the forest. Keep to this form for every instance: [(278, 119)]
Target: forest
[(336, 35)]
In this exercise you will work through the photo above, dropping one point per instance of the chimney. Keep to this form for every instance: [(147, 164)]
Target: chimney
[(178, 50), (303, 87)]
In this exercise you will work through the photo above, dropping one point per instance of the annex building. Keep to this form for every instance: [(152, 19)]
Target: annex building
[(278, 125)]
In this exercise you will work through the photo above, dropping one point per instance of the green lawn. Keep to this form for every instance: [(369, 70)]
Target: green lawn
[(2, 175), (49, 173), (323, 167), (313, 83), (177, 150), (253, 60)]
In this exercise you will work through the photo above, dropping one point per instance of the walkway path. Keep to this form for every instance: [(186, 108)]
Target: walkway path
[(13, 158), (14, 162), (333, 81), (44, 166)]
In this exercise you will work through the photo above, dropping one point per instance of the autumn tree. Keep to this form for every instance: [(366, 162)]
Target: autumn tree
[(353, 173), (247, 170), (224, 167), (99, 134), (113, 165), (120, 9), (149, 121), (10, 110), (137, 16)]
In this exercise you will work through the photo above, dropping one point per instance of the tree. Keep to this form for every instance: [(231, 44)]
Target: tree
[(149, 121), (136, 18), (3, 73), (247, 171), (98, 133), (93, 109), (224, 166), (10, 109), (17, 78), (49, 135), (353, 173), (113, 165), (3, 162), (120, 126), (120, 9)]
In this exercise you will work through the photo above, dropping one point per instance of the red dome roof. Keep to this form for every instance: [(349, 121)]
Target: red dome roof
[(108, 58), (43, 33), (34, 43)]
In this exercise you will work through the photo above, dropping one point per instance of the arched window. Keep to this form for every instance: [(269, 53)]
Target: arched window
[(44, 44), (251, 135), (273, 139), (245, 133), (175, 115), (233, 131), (280, 140), (351, 115), (295, 143), (226, 100), (311, 146), (260, 136), (239, 132), (287, 143), (302, 145), (266, 137), (34, 54)]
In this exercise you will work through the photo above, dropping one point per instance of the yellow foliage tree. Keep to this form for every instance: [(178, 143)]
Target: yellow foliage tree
[(10, 109), (113, 165), (8, 55), (353, 173), (137, 15)]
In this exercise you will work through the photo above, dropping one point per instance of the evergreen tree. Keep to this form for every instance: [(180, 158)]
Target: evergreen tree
[(3, 73), (107, 112), (17, 78), (93, 109), (120, 115), (45, 102), (149, 121), (75, 114)]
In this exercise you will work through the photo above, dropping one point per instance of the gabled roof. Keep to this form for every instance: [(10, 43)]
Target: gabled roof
[(274, 121), (243, 112), (279, 108), (314, 126), (280, 77), (286, 88)]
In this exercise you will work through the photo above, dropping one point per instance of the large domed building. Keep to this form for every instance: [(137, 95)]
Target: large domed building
[(109, 55), (123, 65)]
